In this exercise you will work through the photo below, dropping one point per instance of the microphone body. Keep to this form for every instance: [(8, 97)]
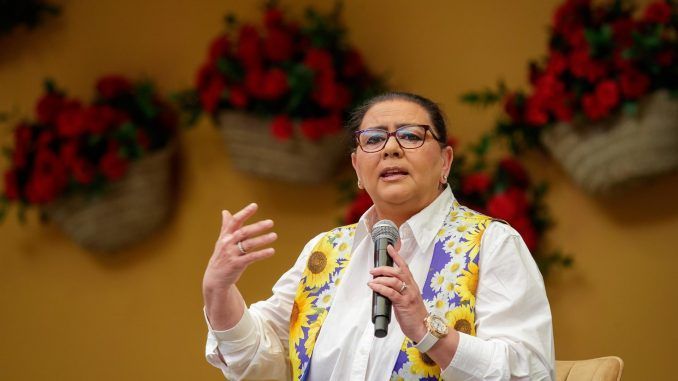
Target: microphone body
[(384, 233)]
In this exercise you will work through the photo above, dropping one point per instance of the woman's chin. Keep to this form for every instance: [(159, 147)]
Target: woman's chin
[(394, 195)]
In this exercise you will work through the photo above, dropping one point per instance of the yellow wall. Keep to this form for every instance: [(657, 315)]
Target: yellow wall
[(68, 314)]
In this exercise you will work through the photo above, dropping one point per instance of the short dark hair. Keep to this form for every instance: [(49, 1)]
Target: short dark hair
[(432, 109)]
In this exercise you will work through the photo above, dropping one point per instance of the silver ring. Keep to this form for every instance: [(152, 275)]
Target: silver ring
[(242, 250), (403, 287)]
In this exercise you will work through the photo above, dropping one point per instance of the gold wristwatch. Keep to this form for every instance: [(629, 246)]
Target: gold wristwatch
[(437, 329)]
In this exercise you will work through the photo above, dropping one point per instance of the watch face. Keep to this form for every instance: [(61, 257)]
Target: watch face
[(438, 326)]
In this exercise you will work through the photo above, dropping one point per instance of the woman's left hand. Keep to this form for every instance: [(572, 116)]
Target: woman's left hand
[(398, 285)]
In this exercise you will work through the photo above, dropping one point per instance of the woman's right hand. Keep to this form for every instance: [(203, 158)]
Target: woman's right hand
[(228, 262)]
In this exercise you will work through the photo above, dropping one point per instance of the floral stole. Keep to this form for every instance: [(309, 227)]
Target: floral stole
[(449, 290)]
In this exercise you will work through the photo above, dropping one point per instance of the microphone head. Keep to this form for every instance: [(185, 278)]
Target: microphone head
[(385, 229)]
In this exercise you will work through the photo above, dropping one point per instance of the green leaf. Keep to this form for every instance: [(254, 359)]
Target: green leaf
[(188, 103), (124, 152), (49, 85), (541, 189), (630, 108), (126, 131), (230, 19), (629, 53), (300, 80), (144, 98), (482, 146), (231, 69), (93, 140), (483, 98)]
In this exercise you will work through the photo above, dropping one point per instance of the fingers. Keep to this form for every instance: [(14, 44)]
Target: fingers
[(398, 260), (248, 245), (386, 271), (255, 256), (252, 230), (248, 233), (226, 217), (394, 296), (236, 221), (394, 283)]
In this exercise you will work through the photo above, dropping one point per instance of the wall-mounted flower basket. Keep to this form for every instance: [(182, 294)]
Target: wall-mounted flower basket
[(100, 170), (255, 150), (599, 101), (128, 211), (603, 156), (297, 81)]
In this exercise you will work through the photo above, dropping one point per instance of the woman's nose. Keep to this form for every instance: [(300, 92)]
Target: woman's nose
[(392, 147)]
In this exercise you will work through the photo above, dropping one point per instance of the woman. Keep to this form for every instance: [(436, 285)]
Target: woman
[(468, 300)]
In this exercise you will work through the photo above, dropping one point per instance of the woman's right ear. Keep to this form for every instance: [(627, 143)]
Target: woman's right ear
[(355, 168)]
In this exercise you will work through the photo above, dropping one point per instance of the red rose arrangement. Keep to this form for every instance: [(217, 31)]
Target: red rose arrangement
[(503, 190), (601, 60), (75, 147), (306, 73)]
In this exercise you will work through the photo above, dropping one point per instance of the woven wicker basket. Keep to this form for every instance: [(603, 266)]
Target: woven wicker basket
[(128, 211), (254, 150), (601, 158)]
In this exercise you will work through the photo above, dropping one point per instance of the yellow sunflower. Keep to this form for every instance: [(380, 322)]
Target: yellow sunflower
[(320, 265), (467, 283), (462, 319), (313, 333), (295, 363), (301, 309), (422, 365), (472, 239)]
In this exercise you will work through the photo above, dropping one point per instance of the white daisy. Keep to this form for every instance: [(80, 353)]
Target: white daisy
[(325, 297), (438, 305), (404, 374), (438, 281)]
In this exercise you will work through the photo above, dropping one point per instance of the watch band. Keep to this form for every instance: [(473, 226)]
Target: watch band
[(428, 341)]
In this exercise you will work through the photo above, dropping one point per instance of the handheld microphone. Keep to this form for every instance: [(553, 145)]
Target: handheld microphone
[(384, 233)]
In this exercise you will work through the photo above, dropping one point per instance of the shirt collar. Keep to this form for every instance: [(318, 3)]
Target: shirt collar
[(423, 226)]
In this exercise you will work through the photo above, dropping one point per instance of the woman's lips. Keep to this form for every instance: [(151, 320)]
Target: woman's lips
[(393, 174)]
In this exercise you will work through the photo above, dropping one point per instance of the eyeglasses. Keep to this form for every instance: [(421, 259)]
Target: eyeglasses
[(408, 137)]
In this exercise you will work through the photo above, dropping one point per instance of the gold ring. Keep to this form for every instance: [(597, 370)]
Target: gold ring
[(242, 250)]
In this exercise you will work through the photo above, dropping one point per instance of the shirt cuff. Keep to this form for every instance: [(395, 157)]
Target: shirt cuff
[(238, 333), (471, 359)]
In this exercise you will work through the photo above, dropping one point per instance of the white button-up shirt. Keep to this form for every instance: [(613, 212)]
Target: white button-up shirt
[(513, 319)]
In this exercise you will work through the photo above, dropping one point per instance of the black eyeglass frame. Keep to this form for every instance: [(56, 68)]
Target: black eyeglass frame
[(426, 127)]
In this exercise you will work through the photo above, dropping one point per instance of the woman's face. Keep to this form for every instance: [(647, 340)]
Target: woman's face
[(407, 179)]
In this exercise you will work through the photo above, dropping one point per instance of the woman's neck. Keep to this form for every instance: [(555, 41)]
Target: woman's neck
[(400, 213)]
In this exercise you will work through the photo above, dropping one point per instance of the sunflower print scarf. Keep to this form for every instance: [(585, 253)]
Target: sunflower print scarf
[(449, 290)]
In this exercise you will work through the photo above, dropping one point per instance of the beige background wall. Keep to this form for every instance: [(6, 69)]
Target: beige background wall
[(67, 314)]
